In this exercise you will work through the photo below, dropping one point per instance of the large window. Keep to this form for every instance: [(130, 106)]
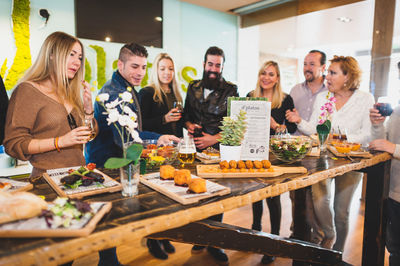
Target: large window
[(121, 21)]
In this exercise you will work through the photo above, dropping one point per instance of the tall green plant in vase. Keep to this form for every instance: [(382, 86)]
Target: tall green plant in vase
[(232, 135)]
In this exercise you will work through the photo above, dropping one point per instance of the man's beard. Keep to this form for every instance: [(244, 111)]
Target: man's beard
[(211, 83), (310, 79)]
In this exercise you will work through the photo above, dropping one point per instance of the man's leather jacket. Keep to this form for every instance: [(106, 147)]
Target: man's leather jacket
[(208, 112)]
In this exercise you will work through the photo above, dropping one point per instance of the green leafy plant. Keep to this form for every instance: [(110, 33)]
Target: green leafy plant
[(233, 130)]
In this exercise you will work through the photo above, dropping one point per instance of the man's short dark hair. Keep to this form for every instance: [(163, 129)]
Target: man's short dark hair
[(214, 50), (323, 56), (131, 49)]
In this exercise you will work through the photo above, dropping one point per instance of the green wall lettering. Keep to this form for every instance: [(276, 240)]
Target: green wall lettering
[(22, 59), (3, 68), (101, 65), (185, 76), (146, 76), (115, 65), (88, 71)]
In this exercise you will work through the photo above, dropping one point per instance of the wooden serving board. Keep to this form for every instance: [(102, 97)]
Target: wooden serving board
[(36, 227), (207, 160), (362, 154), (178, 193), (16, 186), (214, 171), (53, 178)]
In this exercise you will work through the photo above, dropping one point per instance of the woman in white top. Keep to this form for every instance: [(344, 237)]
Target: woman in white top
[(350, 113)]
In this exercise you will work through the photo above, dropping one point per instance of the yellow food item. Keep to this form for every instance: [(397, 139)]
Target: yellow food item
[(355, 146), (182, 177), (266, 164), (344, 148), (198, 185), (232, 164), (167, 172), (224, 165), (258, 164), (249, 164), (241, 164)]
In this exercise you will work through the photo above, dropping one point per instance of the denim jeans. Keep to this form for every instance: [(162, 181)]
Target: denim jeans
[(334, 222), (393, 232)]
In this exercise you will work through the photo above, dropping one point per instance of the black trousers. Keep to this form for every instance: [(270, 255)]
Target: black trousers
[(275, 211)]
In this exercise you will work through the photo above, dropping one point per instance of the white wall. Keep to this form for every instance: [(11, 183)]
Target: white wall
[(188, 30)]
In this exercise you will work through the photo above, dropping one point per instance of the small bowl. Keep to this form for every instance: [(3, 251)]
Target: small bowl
[(343, 148), (156, 156), (289, 148)]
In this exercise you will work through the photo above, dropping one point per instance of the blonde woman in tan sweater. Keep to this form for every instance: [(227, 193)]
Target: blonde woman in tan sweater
[(45, 115)]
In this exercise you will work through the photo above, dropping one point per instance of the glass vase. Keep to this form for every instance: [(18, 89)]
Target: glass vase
[(130, 179), (322, 137)]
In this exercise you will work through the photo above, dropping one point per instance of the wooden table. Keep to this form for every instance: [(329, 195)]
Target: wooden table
[(150, 212)]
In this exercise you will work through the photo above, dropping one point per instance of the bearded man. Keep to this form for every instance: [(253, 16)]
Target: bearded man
[(205, 107), (206, 100)]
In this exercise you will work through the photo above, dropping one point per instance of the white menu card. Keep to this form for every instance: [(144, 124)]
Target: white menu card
[(255, 145)]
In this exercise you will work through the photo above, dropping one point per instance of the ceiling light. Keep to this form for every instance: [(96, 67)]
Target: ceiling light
[(107, 39), (344, 19), (158, 19), (258, 6)]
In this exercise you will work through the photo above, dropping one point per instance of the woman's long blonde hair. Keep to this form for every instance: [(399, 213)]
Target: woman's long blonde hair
[(51, 63), (155, 81), (277, 93)]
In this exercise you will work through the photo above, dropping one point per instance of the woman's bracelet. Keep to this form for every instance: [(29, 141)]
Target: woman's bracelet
[(56, 144)]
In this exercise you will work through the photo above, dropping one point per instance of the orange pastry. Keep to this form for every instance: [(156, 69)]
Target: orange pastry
[(182, 177), (266, 164), (257, 164), (198, 185), (249, 164), (232, 164), (224, 165), (167, 172), (241, 164)]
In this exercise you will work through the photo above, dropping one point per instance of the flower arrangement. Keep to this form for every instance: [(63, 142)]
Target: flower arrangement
[(233, 130), (119, 112), (324, 122)]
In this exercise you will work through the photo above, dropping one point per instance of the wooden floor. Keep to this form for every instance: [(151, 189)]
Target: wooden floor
[(136, 253)]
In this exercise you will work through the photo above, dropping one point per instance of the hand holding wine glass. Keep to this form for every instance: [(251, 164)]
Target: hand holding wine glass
[(90, 124)]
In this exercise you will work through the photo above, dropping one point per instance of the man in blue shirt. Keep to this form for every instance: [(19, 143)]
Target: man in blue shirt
[(132, 63)]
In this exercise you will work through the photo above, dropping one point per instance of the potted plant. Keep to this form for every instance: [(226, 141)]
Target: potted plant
[(232, 134)]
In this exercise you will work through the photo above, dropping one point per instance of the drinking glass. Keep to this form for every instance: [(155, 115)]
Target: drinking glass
[(178, 104), (385, 109), (186, 151), (89, 123)]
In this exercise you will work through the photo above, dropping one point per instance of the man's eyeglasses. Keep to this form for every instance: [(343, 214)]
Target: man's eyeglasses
[(71, 121)]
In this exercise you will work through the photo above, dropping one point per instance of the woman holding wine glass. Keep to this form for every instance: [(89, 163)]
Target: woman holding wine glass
[(45, 117), (160, 101), (161, 108), (350, 112)]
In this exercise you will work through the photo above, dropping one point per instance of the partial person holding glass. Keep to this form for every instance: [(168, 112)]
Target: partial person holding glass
[(160, 101), (45, 115), (388, 139), (350, 112), (269, 86), (161, 109)]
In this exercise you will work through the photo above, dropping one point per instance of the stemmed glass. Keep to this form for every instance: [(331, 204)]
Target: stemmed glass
[(89, 123), (186, 151)]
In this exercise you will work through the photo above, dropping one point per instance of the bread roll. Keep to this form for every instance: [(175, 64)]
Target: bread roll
[(182, 177), (167, 172), (198, 185), (20, 205)]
